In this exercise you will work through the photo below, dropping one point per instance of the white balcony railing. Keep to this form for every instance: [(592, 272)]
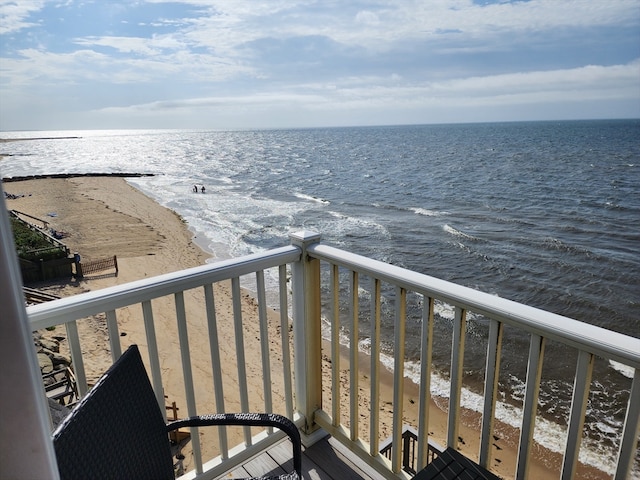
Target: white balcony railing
[(317, 274)]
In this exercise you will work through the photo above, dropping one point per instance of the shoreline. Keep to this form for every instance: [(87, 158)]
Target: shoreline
[(156, 240)]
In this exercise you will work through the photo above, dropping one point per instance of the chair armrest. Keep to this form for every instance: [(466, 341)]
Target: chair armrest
[(252, 420)]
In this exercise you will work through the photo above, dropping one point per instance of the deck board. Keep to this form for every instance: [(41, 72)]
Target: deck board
[(325, 460), (239, 472), (338, 460), (282, 454), (257, 466)]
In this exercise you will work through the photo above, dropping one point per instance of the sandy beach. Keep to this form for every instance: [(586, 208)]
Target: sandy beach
[(103, 216)]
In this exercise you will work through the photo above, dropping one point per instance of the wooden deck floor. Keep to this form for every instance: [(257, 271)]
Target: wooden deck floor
[(325, 460)]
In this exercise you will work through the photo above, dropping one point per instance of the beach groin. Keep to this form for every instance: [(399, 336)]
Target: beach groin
[(76, 175)]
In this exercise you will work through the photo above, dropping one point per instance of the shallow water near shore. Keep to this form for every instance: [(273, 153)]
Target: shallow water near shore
[(543, 213)]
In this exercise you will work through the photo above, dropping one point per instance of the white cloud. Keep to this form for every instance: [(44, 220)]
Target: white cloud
[(140, 46), (324, 57), (258, 100), (591, 83), (367, 17), (590, 77), (36, 67), (235, 23), (14, 14)]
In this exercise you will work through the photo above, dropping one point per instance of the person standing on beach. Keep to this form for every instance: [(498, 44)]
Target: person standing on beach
[(195, 189), (202, 189)]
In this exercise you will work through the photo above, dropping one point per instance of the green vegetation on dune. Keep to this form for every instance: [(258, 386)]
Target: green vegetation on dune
[(33, 245)]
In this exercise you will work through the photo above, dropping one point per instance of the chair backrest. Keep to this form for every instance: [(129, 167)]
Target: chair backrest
[(117, 429)]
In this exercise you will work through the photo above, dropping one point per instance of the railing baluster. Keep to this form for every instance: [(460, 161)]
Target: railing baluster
[(578, 408), (374, 428), (264, 343), (189, 391), (76, 357), (398, 376), (354, 337), (426, 354), (407, 454), (534, 370), (216, 365), (629, 441), (334, 282), (457, 361), (492, 369), (284, 334), (240, 358), (154, 359), (114, 336)]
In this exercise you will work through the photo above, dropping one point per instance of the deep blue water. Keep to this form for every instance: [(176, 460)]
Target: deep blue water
[(543, 213)]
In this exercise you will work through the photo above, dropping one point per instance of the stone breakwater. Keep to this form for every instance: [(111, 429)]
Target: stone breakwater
[(52, 365), (49, 356), (76, 175)]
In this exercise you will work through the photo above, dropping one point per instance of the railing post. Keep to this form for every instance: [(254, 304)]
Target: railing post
[(307, 334), (25, 412)]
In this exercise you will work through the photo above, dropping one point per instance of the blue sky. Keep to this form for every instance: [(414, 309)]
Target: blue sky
[(267, 64)]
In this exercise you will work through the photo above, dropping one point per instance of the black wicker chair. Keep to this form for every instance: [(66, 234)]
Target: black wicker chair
[(117, 430)]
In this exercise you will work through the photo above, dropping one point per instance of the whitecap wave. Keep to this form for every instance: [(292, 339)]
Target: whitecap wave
[(625, 370), (425, 212), (311, 198), (456, 233)]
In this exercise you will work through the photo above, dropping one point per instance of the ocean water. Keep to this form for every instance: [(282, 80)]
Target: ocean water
[(542, 213)]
